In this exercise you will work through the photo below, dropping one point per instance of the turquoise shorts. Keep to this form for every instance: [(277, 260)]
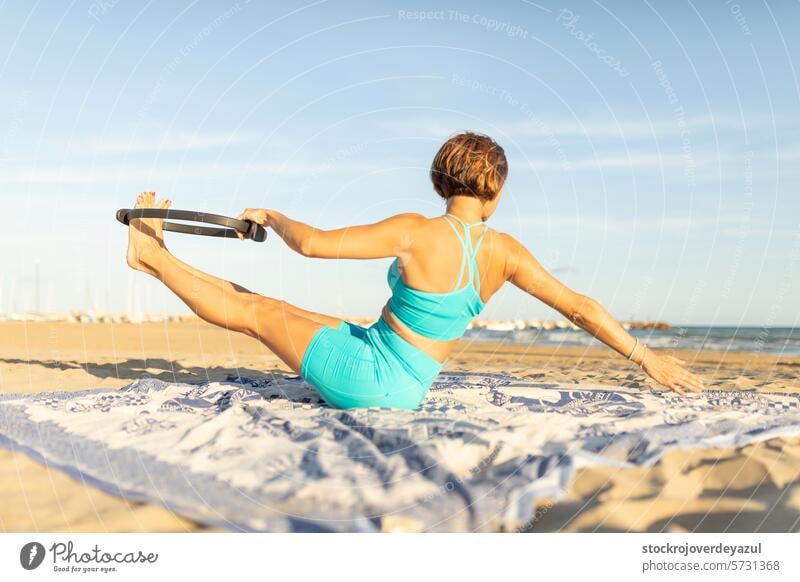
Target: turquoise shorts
[(357, 367)]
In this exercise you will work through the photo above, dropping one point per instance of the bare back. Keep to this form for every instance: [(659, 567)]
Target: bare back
[(430, 260)]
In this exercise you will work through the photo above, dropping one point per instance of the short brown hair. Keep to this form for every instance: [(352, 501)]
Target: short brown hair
[(469, 164)]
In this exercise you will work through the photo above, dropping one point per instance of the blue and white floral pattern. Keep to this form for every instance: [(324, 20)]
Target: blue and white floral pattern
[(268, 455)]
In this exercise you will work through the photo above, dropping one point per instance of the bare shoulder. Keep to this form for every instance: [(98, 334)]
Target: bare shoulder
[(507, 244), (409, 229), (411, 217), (408, 219), (505, 240), (402, 225), (511, 252)]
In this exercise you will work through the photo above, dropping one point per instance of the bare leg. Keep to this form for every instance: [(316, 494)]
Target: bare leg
[(148, 200), (238, 289), (283, 328)]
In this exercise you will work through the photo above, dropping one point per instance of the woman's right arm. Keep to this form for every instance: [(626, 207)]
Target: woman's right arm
[(524, 271), (386, 238)]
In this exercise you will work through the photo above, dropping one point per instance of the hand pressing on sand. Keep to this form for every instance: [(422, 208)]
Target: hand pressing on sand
[(670, 372)]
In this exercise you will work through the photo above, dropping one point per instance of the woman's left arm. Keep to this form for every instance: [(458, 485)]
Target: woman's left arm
[(382, 239), (524, 271)]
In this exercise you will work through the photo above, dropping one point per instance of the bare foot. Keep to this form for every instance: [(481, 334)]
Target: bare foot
[(146, 235)]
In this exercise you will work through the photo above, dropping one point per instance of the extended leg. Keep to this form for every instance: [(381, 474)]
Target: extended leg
[(236, 289), (283, 328)]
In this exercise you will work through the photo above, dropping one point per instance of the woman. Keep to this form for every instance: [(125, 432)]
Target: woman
[(445, 270)]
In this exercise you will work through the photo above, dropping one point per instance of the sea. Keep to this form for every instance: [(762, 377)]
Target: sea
[(753, 339)]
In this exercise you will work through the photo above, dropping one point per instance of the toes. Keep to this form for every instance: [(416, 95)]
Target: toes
[(148, 200), (145, 200)]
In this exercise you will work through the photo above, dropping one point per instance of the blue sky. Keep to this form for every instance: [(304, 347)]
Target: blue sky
[(653, 146)]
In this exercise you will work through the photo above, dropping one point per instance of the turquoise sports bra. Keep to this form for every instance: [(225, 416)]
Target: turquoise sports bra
[(441, 316)]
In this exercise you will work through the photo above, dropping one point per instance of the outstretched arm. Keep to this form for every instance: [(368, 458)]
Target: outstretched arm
[(382, 239), (524, 271)]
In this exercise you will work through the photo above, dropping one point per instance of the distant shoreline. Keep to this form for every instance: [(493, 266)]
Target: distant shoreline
[(146, 317), (776, 340), (90, 316)]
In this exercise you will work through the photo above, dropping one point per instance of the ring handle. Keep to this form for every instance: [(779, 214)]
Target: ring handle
[(251, 230)]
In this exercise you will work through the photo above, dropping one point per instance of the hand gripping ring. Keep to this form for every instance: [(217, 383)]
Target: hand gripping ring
[(230, 226)]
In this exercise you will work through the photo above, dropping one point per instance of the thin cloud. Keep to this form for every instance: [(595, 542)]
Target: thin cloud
[(789, 154), (116, 173), (725, 224), (633, 129), (602, 161), (167, 142), (623, 160), (594, 129)]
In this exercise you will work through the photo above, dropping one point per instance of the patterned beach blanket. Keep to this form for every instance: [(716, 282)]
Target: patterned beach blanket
[(267, 455)]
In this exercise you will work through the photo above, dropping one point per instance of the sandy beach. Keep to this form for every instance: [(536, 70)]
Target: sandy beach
[(752, 488)]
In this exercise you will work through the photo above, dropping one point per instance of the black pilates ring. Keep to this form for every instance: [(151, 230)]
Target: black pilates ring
[(230, 226)]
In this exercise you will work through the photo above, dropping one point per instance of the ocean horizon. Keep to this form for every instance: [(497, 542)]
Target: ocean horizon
[(775, 340)]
